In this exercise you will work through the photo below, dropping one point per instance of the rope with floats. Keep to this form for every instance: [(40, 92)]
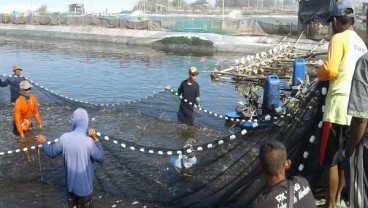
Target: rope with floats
[(267, 118), (162, 151), (145, 149), (301, 92), (81, 101), (119, 104), (313, 136)]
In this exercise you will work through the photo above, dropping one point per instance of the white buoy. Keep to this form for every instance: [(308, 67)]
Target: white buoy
[(242, 60)]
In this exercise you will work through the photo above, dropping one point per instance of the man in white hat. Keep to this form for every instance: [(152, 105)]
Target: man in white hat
[(13, 81), (25, 106)]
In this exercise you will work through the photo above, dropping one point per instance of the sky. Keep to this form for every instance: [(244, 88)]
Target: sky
[(112, 6)]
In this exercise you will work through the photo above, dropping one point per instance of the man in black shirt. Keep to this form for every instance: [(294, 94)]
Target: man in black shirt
[(189, 90), (273, 165)]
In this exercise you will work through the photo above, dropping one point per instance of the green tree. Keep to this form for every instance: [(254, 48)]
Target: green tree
[(181, 4), (199, 2), (234, 3), (150, 5), (42, 9)]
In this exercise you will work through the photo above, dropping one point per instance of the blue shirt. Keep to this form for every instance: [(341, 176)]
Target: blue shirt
[(80, 152), (13, 81)]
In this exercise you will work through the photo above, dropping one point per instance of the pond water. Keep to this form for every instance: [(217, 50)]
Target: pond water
[(109, 73)]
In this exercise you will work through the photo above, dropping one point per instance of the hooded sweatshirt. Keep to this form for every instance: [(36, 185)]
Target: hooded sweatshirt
[(80, 152)]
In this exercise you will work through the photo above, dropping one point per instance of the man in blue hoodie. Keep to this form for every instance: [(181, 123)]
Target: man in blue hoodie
[(80, 152)]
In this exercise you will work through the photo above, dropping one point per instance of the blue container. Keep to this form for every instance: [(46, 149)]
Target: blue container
[(234, 115), (299, 71), (271, 94)]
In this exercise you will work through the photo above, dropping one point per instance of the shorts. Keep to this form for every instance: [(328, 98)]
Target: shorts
[(79, 201), (336, 144)]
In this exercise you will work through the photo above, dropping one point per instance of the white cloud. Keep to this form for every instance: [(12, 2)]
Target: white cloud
[(14, 7)]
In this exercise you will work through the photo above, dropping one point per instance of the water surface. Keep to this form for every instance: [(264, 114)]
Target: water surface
[(108, 73)]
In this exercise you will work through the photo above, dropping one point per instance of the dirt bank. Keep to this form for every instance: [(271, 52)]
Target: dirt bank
[(222, 43)]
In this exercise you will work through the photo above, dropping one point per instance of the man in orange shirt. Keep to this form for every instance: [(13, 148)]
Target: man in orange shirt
[(25, 106)]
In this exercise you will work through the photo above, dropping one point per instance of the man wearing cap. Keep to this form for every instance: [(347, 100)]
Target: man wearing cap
[(13, 81), (189, 89), (345, 48), (25, 106)]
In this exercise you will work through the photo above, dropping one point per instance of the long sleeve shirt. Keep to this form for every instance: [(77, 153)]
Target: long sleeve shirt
[(23, 111), (80, 152), (13, 81)]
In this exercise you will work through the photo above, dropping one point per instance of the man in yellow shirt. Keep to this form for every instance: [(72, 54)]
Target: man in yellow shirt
[(344, 49)]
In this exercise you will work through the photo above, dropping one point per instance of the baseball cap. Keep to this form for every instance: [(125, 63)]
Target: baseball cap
[(16, 67), (24, 85), (341, 8), (193, 70)]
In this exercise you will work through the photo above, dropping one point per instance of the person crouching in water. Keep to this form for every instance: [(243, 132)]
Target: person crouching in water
[(25, 106)]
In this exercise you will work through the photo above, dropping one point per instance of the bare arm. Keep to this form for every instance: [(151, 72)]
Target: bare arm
[(357, 129)]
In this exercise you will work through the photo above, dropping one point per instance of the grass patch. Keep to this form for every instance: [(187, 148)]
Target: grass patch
[(191, 41)]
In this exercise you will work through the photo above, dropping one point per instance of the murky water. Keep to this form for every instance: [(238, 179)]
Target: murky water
[(105, 73)]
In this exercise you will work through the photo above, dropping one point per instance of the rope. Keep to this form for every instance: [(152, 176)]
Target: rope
[(164, 151), (267, 117), (66, 98), (152, 150), (39, 162), (145, 149), (313, 136)]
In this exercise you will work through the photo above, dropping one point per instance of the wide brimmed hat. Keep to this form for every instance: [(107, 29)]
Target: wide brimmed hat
[(23, 85), (16, 67)]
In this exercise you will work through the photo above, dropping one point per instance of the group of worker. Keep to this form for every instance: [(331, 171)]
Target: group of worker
[(345, 116), (81, 147), (25, 104)]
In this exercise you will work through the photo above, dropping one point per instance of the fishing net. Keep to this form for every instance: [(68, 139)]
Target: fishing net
[(140, 138)]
